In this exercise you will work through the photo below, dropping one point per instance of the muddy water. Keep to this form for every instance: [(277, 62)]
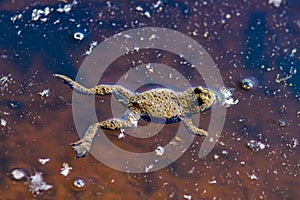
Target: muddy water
[(255, 40)]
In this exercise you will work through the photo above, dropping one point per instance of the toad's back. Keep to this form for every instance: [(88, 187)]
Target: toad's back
[(158, 103)]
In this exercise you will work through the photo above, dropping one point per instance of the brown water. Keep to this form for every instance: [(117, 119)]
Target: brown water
[(255, 34)]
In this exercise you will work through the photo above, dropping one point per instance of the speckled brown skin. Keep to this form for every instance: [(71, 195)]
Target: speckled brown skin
[(157, 103)]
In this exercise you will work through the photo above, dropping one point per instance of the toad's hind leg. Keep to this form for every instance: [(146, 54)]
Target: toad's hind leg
[(74, 85), (99, 89), (192, 128), (83, 146)]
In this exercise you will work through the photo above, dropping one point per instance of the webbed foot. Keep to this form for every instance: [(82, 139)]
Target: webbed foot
[(66, 80), (76, 86), (81, 147)]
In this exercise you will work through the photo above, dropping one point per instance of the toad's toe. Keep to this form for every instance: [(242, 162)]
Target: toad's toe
[(81, 148), (74, 144)]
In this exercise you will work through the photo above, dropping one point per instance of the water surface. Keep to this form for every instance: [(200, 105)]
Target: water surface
[(246, 39)]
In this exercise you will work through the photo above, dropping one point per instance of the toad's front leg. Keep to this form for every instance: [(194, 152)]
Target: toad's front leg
[(192, 128)]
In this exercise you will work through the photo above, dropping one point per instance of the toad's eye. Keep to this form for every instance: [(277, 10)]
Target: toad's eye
[(198, 90), (200, 101)]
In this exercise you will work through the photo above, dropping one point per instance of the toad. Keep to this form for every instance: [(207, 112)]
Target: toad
[(159, 103)]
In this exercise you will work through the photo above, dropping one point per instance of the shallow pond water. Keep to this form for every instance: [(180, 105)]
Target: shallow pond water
[(257, 155)]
